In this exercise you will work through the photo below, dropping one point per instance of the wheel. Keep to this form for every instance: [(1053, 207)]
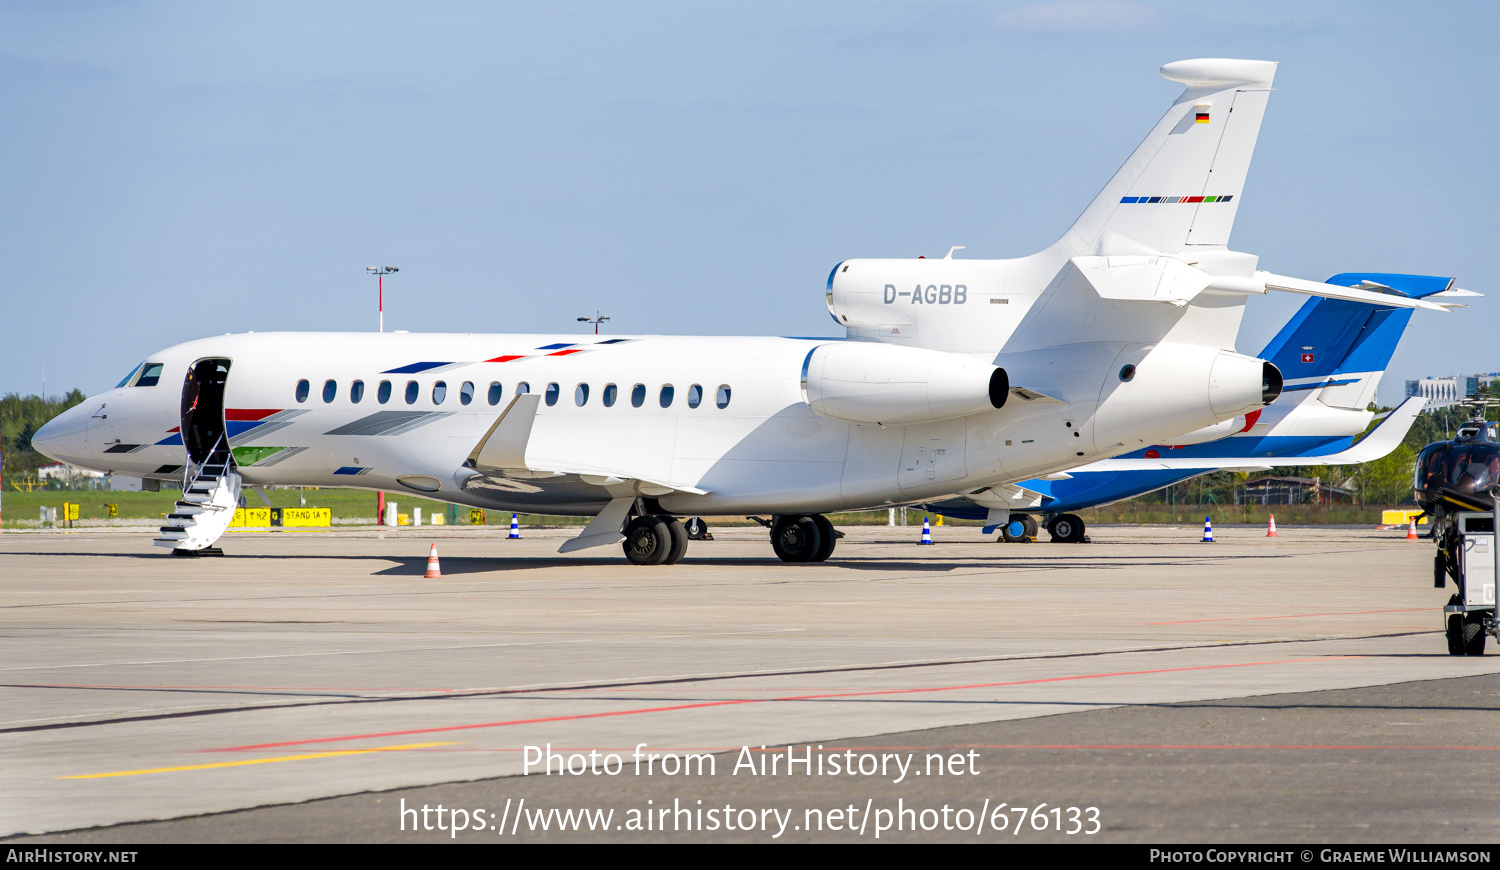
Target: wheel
[(648, 541), (1013, 532), (1031, 527), (1473, 634), (827, 538), (696, 529), (679, 540), (796, 539), (1455, 634), (1066, 529)]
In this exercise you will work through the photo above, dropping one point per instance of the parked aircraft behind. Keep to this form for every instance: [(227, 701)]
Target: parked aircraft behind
[(1333, 354), (956, 377)]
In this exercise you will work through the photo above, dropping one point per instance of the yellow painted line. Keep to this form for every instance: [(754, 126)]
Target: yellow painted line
[(257, 761)]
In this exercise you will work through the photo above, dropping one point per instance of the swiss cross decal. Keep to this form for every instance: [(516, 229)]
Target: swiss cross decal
[(1307, 357)]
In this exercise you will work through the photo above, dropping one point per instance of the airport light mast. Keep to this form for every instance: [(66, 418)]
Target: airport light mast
[(380, 272), (596, 320)]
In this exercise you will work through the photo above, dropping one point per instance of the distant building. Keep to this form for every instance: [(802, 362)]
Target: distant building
[(1439, 392), (64, 471), (1291, 490)]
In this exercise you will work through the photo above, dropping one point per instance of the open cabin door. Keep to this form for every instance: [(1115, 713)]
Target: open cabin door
[(203, 430)]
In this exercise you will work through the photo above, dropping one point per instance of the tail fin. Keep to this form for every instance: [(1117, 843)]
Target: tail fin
[(1182, 185), (1336, 350)]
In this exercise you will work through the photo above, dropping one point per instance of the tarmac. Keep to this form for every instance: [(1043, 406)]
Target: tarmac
[(310, 686)]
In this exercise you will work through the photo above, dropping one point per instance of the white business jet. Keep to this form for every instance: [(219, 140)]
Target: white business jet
[(957, 377)]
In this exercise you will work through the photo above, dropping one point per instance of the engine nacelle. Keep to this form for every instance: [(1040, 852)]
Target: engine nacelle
[(871, 382)]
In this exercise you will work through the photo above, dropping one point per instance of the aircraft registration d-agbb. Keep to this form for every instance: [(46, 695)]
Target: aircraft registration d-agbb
[(957, 377)]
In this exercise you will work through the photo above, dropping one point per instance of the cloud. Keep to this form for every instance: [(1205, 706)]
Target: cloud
[(1074, 16)]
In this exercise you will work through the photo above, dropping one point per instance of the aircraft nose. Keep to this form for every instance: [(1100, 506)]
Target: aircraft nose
[(64, 437)]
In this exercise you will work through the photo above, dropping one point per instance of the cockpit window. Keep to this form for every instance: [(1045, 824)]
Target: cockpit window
[(125, 381), (149, 375), (146, 374)]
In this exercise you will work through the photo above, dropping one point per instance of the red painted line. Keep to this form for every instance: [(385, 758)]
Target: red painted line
[(1292, 616), (507, 357), (737, 701)]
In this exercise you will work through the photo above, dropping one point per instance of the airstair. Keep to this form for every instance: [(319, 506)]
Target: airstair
[(207, 506)]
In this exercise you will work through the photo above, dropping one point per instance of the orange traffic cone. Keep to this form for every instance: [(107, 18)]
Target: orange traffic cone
[(1271, 528), (433, 571), (1411, 530)]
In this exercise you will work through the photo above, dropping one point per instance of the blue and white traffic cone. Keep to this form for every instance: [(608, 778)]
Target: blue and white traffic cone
[(515, 529), (926, 531), (1208, 531)]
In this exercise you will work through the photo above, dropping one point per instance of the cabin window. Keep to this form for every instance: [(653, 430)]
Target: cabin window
[(581, 395), (695, 396), (439, 392), (611, 392), (356, 391), (411, 392), (523, 388), (721, 398), (637, 395), (330, 390), (666, 395), (150, 375), (466, 393), (303, 388), (383, 392), (494, 395), (553, 391)]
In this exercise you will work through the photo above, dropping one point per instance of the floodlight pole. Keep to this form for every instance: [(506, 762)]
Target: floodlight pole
[(596, 320), (379, 272)]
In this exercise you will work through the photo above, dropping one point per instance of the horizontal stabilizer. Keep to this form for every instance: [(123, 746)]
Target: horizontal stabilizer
[(1265, 281), (1377, 444)]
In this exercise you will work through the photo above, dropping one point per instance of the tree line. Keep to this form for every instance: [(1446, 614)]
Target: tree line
[(20, 418)]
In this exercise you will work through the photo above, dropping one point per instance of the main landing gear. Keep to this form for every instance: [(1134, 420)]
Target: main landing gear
[(655, 540), (1066, 529), (803, 538)]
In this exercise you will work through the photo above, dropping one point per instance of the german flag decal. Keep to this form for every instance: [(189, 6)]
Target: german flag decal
[(1202, 118)]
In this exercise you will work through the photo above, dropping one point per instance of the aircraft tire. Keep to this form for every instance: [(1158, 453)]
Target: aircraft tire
[(796, 539), (1013, 532), (648, 541), (679, 540), (1473, 634), (828, 538), (1066, 529), (697, 529), (1455, 634), (1030, 526)]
